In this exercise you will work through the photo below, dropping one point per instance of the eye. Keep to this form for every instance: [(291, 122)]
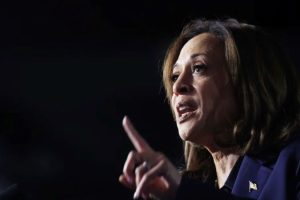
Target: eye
[(174, 77), (199, 68)]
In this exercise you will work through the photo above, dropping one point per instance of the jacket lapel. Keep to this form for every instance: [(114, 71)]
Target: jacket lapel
[(251, 178)]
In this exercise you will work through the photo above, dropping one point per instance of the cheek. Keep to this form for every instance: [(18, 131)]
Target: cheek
[(209, 96), (173, 104), (208, 92), (218, 104)]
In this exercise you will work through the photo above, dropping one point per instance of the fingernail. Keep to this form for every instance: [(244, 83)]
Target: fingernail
[(120, 178), (124, 119), (145, 164), (136, 195)]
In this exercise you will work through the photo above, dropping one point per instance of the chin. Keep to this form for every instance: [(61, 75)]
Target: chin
[(186, 134), (191, 133), (183, 136)]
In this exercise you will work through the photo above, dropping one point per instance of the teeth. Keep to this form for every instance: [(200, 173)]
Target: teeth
[(185, 114), (183, 108)]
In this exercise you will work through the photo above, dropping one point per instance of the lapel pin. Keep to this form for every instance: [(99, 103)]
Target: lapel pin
[(252, 186)]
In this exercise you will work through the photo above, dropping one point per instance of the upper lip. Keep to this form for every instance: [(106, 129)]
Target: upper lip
[(185, 106)]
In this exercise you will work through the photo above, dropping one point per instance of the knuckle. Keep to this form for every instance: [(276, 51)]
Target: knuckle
[(125, 171), (161, 156), (138, 170), (163, 162), (146, 177), (129, 162), (131, 154), (125, 168), (141, 169)]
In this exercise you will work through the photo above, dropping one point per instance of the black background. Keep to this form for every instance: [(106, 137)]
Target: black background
[(71, 69)]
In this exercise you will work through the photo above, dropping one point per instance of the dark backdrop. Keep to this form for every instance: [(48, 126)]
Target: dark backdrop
[(71, 69)]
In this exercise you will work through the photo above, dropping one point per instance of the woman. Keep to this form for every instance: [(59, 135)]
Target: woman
[(235, 99)]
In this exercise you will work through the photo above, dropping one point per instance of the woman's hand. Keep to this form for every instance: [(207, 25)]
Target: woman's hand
[(150, 173)]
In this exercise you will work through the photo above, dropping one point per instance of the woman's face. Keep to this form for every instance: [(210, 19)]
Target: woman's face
[(203, 99)]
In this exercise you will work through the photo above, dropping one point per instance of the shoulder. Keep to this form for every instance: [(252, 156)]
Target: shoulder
[(289, 156), (291, 149)]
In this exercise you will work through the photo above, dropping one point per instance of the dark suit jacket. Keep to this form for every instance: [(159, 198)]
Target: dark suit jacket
[(256, 179)]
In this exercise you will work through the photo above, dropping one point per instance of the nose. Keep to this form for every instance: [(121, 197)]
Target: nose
[(182, 85)]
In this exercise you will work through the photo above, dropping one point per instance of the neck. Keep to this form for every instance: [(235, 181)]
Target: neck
[(224, 163)]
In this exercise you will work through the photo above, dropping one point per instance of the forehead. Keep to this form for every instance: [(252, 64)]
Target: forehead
[(203, 43)]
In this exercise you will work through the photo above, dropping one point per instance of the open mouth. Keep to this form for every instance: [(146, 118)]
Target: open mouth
[(185, 110)]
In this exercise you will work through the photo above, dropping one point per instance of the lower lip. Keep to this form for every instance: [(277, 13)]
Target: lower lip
[(186, 116)]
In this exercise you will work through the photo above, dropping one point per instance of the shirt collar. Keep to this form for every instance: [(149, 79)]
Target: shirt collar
[(232, 176)]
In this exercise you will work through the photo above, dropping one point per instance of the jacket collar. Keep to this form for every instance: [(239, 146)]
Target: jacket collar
[(251, 178)]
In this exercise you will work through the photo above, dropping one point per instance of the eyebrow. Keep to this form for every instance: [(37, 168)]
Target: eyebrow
[(191, 57)]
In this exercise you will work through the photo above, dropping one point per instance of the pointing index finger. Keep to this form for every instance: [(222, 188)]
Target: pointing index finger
[(136, 139)]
